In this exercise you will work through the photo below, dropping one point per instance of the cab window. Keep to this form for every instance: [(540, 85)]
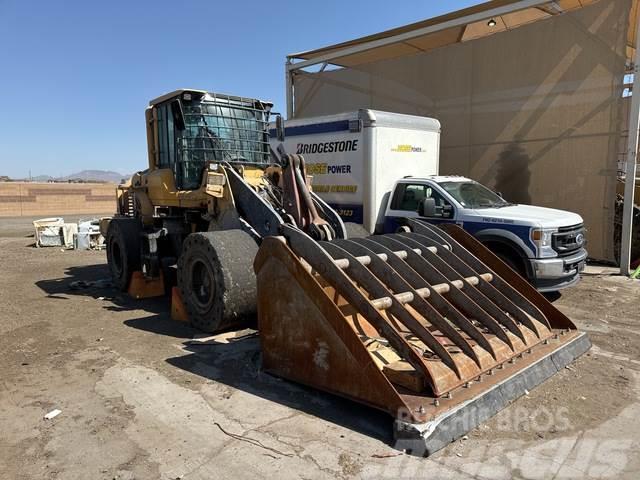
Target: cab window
[(411, 197), (408, 197)]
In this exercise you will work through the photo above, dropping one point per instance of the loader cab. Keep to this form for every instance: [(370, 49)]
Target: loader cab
[(188, 129)]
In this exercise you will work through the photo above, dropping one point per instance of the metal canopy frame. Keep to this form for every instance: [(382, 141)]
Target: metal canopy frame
[(632, 161), (325, 59), (292, 66)]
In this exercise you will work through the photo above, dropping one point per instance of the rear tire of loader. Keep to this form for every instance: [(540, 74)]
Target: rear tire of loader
[(216, 279), (123, 250)]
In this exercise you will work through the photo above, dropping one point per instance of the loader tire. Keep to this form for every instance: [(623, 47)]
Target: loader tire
[(123, 250), (217, 281)]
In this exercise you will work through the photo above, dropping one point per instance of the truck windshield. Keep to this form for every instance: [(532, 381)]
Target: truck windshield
[(474, 195)]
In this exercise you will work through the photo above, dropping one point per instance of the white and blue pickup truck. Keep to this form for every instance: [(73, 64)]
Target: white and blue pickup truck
[(378, 168), (544, 245)]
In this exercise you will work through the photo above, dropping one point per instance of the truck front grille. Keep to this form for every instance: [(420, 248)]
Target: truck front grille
[(568, 239)]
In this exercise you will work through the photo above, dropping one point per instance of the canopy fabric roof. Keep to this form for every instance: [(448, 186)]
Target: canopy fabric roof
[(410, 40)]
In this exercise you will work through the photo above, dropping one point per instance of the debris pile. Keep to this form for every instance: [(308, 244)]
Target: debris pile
[(54, 232)]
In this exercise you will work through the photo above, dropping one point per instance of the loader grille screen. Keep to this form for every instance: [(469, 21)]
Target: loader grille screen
[(227, 129)]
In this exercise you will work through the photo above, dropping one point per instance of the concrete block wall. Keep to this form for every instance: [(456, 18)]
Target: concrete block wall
[(55, 199)]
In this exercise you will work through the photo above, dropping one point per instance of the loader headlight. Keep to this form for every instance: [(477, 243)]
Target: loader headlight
[(215, 178), (542, 238)]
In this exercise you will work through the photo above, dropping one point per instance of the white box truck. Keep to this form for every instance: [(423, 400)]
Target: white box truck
[(380, 168), (356, 157)]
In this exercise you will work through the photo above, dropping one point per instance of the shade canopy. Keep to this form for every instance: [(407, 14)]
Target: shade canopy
[(461, 26)]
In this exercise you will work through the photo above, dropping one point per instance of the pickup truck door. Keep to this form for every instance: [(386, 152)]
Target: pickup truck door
[(406, 199)]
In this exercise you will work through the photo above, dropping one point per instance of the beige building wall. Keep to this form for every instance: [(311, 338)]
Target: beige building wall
[(535, 113), (56, 199)]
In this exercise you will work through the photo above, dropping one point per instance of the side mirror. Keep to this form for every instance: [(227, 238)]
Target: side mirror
[(427, 207), (499, 194), (178, 114)]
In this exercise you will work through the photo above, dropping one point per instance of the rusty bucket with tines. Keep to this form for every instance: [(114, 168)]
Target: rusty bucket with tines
[(438, 334)]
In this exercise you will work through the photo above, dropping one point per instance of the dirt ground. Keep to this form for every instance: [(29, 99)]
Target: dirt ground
[(138, 400)]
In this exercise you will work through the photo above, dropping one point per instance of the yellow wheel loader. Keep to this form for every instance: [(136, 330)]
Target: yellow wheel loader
[(425, 324), (212, 191)]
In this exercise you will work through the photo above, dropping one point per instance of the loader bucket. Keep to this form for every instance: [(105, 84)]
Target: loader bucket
[(439, 335)]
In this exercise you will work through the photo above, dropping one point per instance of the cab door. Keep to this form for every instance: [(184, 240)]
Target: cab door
[(406, 203)]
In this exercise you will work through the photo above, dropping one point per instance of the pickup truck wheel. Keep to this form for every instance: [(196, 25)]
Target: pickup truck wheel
[(216, 279), (515, 264)]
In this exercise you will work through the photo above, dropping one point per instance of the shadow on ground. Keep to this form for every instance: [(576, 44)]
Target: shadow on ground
[(552, 296), (233, 361), (93, 281), (236, 362)]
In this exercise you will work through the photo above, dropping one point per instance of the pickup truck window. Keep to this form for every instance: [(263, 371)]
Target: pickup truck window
[(474, 195), (408, 196)]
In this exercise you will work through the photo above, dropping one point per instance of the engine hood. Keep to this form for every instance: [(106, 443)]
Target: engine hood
[(531, 215)]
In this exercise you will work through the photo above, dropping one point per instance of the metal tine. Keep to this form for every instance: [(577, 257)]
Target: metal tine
[(430, 231), (442, 307), (434, 234), (362, 276), (490, 297), (320, 260), (432, 274), (446, 263), (399, 276), (507, 290), (366, 259)]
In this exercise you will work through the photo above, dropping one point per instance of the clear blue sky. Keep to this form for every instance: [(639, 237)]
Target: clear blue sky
[(76, 75)]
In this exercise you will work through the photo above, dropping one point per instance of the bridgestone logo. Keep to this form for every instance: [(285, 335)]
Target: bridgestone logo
[(327, 147)]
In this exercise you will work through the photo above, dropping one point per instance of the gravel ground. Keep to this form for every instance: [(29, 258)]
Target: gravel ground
[(138, 401)]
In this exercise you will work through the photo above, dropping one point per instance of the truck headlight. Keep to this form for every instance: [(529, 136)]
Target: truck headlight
[(542, 238)]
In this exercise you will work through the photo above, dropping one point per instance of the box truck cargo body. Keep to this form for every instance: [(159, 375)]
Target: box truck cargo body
[(356, 157)]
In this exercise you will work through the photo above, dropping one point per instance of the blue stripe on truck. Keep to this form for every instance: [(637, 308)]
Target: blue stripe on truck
[(391, 224), (521, 231), (337, 126)]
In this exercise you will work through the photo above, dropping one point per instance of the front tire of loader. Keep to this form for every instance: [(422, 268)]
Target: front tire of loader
[(123, 250), (216, 279)]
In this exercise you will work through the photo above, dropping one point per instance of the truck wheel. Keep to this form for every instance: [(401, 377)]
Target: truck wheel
[(515, 265), (355, 230), (123, 250), (216, 279)]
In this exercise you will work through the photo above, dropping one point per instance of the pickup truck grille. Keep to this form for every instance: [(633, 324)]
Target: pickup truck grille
[(568, 239)]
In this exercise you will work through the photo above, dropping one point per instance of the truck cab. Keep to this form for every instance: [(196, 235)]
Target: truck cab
[(544, 245)]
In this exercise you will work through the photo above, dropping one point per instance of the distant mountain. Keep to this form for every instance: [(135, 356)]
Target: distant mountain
[(95, 176), (102, 176)]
